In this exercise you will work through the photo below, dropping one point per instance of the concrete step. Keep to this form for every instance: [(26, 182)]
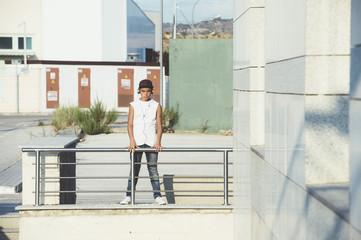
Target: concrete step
[(9, 217), (9, 226), (9, 234), (8, 208), (11, 179), (9, 222)]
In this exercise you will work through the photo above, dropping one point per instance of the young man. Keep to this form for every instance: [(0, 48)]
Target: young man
[(145, 115)]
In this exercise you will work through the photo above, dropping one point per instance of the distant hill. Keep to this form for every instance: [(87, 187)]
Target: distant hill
[(215, 27)]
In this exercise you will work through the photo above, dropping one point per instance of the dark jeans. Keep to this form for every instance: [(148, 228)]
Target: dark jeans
[(152, 157)]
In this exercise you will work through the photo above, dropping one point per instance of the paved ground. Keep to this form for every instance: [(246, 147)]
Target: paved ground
[(16, 130), (121, 140)]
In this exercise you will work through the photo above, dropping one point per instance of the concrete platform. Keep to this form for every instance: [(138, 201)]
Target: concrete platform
[(126, 222)]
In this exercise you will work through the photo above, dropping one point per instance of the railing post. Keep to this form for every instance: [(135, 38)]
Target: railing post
[(132, 190), (37, 177), (225, 174)]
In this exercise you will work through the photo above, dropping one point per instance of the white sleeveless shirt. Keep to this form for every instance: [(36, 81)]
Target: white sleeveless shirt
[(144, 122)]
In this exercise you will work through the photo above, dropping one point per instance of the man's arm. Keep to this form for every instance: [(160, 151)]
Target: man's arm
[(158, 144), (132, 144)]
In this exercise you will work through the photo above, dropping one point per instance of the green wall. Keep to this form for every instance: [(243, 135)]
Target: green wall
[(201, 82)]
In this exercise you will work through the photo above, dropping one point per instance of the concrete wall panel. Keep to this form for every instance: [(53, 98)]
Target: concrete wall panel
[(241, 51), (286, 76), (83, 24), (326, 75), (114, 30), (201, 82), (355, 22), (285, 29), (31, 15), (327, 139), (127, 223), (328, 27), (355, 78)]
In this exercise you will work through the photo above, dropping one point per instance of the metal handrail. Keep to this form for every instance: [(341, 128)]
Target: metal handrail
[(38, 152)]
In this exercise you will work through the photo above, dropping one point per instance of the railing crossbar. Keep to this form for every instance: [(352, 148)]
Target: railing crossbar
[(139, 177), (158, 163), (173, 149), (119, 191)]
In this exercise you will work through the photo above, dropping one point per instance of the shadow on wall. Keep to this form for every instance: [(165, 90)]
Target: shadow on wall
[(324, 118), (326, 138), (334, 119)]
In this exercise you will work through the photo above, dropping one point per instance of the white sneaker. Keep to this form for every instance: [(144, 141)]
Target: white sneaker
[(126, 201), (160, 201)]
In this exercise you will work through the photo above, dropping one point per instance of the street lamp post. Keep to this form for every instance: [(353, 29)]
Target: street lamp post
[(193, 17), (175, 21), (162, 85), (24, 45)]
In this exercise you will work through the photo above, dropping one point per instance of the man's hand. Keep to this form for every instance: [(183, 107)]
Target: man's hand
[(132, 146), (158, 147)]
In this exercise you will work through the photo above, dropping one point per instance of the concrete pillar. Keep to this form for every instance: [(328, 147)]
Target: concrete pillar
[(248, 107), (28, 160), (327, 78)]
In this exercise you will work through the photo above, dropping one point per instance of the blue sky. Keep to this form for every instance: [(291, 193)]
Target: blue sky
[(204, 10)]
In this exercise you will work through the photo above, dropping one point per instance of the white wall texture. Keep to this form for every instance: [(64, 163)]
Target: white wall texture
[(29, 89), (72, 30), (11, 18), (114, 30), (81, 30), (291, 97), (117, 222), (154, 16)]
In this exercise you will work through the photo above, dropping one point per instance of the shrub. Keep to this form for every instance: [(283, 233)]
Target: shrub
[(64, 117), (94, 120), (170, 118), (204, 126)]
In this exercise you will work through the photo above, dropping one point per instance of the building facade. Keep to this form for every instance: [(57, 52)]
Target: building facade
[(62, 39), (97, 30), (296, 119)]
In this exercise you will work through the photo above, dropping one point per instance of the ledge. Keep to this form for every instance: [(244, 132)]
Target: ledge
[(123, 207), (258, 150), (101, 63), (335, 196)]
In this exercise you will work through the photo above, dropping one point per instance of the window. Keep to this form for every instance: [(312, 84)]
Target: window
[(21, 43), (6, 43)]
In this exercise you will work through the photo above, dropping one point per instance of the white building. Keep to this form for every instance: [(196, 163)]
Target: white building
[(65, 38), (297, 119), (78, 30)]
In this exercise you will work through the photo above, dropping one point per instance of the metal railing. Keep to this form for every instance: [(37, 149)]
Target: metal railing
[(38, 152)]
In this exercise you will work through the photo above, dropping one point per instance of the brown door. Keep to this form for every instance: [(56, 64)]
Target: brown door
[(52, 87), (154, 76), (84, 87), (125, 87)]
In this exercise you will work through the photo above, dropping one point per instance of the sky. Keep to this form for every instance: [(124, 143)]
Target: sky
[(204, 9)]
